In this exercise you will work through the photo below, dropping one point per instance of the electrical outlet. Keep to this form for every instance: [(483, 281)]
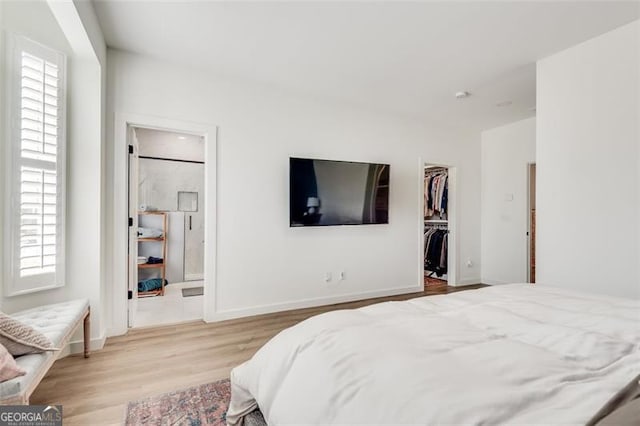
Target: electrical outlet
[(327, 277), (469, 263)]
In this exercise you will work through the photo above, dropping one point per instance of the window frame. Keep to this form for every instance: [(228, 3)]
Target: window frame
[(14, 283)]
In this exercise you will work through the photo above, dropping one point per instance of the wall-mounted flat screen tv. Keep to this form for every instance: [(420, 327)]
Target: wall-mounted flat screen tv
[(325, 193)]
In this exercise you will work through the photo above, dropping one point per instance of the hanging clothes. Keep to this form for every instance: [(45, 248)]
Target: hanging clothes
[(436, 193), (436, 250)]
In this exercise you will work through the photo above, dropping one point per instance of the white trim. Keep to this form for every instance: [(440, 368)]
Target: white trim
[(310, 303), (77, 346), (133, 177), (123, 121), (472, 281), (490, 282), (452, 219)]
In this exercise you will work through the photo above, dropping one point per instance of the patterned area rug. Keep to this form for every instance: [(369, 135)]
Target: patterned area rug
[(199, 405)]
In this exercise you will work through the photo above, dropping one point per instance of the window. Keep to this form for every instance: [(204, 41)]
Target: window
[(35, 167)]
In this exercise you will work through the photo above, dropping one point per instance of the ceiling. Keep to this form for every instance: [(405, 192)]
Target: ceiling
[(172, 145), (404, 58)]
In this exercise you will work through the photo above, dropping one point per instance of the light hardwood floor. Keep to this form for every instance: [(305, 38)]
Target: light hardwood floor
[(152, 361)]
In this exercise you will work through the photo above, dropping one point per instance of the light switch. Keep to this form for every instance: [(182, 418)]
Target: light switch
[(508, 197)]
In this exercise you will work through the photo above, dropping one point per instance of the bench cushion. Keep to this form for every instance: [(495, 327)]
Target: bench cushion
[(8, 367), (55, 321)]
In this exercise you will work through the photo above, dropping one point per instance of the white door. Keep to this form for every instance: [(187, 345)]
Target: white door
[(133, 228)]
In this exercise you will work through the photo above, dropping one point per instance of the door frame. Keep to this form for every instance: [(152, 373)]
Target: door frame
[(133, 166), (119, 287), (452, 217)]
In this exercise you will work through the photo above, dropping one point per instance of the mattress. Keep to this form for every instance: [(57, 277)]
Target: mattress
[(498, 355)]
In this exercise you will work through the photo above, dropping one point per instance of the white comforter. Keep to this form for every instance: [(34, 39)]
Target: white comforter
[(516, 354)]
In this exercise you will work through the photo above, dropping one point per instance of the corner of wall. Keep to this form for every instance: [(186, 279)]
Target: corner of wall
[(506, 153), (587, 134), (3, 143)]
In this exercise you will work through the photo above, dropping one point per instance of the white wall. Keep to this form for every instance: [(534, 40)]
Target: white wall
[(93, 32), (588, 165), (159, 182), (506, 153), (80, 24), (90, 32), (61, 26), (263, 265)]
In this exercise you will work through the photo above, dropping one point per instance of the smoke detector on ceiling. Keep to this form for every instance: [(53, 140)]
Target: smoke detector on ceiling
[(462, 95)]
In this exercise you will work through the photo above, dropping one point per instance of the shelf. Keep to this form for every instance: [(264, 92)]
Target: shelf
[(147, 219), (150, 265), (436, 221)]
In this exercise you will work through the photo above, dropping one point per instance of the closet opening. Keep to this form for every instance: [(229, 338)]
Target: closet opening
[(167, 234), (437, 208), (531, 234)]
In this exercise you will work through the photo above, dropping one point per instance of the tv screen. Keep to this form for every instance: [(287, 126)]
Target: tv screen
[(324, 193)]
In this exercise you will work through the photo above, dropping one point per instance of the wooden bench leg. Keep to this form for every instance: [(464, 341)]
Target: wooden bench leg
[(87, 334)]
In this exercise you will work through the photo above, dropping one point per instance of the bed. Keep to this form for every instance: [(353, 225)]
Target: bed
[(512, 354)]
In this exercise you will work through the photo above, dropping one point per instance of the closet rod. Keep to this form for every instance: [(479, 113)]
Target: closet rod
[(436, 225), (435, 169)]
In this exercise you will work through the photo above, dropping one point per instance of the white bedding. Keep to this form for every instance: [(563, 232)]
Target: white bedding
[(516, 354)]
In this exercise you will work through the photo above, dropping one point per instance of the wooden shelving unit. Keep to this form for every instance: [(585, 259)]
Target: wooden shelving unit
[(151, 265), (159, 266)]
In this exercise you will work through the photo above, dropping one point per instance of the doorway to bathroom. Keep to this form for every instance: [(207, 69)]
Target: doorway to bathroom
[(167, 237)]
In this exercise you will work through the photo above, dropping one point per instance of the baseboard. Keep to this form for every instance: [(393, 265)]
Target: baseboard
[(469, 281), (193, 277), (308, 303), (116, 331), (493, 282), (77, 346)]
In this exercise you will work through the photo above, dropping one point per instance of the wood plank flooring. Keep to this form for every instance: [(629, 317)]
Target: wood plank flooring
[(152, 361)]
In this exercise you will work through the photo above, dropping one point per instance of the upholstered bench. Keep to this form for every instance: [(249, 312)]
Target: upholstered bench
[(58, 322)]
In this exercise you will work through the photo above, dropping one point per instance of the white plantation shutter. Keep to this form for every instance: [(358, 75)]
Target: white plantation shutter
[(39, 108), (37, 171)]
